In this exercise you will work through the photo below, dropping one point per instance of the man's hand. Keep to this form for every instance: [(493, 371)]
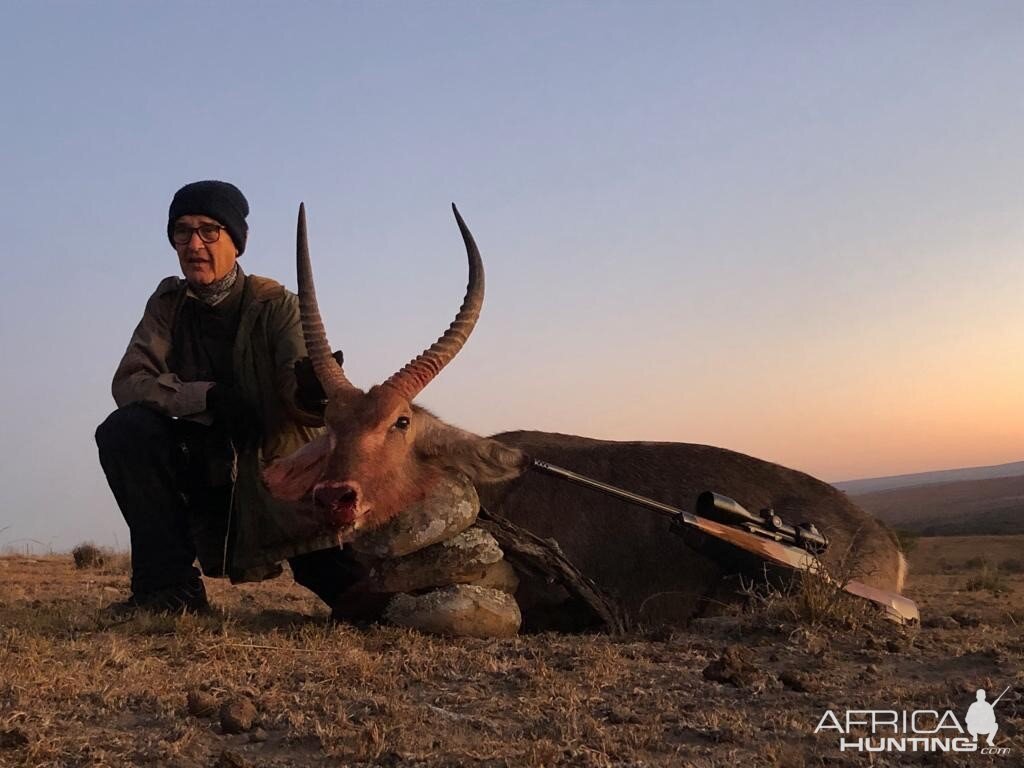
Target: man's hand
[(309, 393)]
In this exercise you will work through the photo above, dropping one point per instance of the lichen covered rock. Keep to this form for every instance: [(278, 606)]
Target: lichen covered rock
[(464, 558), (458, 611), (451, 508)]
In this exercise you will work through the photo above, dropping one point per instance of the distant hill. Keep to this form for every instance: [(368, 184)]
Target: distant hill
[(872, 484), (966, 507)]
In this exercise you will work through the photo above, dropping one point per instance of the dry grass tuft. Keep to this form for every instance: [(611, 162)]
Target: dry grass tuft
[(815, 597), (809, 599), (88, 555), (991, 579)]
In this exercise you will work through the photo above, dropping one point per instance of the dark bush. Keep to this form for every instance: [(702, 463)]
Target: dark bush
[(906, 540), (989, 579), (88, 555)]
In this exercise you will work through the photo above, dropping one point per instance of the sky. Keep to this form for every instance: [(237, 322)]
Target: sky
[(792, 229)]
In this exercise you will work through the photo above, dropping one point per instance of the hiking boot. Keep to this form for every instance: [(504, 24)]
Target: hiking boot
[(188, 599)]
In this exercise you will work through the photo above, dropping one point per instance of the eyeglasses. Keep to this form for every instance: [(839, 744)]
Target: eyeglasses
[(208, 233)]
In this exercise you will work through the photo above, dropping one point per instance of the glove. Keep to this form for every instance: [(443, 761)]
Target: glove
[(309, 393), (231, 412)]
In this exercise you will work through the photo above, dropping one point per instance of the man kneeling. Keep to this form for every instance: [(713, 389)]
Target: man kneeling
[(213, 383)]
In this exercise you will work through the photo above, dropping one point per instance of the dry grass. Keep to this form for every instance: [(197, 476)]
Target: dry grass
[(811, 600), (815, 597), (990, 578), (951, 554), (89, 556), (78, 689)]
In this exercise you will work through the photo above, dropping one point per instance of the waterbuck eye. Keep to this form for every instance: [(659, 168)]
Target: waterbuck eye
[(402, 422)]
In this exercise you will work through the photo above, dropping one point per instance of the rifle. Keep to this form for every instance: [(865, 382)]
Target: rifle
[(765, 536), (1000, 697)]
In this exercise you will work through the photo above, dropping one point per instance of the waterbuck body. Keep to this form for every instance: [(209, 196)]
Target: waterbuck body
[(630, 552), (382, 453)]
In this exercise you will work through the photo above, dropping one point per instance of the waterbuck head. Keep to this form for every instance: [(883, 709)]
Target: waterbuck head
[(382, 453)]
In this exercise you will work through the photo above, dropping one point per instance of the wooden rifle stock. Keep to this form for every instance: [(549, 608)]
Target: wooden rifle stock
[(897, 607)]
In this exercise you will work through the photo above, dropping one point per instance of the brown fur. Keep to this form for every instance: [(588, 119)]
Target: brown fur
[(391, 468), (626, 550), (630, 551)]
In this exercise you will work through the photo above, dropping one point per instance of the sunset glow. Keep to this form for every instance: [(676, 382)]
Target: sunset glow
[(793, 230)]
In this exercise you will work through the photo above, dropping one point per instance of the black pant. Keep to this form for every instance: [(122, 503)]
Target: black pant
[(169, 477)]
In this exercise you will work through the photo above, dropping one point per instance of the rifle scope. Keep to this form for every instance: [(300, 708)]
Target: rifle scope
[(716, 506)]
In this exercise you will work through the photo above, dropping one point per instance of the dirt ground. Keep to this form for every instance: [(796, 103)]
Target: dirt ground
[(78, 689)]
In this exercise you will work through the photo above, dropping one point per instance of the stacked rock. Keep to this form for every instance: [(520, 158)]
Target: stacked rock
[(447, 576)]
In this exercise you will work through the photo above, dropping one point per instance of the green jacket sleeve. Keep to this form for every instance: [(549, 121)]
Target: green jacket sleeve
[(143, 375)]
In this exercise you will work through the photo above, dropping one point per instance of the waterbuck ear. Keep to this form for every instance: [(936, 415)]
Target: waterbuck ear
[(293, 477), (481, 459)]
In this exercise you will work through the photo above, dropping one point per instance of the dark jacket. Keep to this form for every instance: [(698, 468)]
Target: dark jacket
[(268, 343)]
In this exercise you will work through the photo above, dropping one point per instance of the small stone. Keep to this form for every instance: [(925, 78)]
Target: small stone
[(798, 681), (459, 611), (965, 619), (258, 736), (871, 669), (814, 643), (202, 703), (237, 715), (733, 667), (941, 622), (451, 508)]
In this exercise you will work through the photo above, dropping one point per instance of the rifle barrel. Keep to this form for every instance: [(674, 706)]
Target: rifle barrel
[(1000, 696), (611, 490)]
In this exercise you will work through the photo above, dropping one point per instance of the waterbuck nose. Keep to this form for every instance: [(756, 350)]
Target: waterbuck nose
[(338, 501)]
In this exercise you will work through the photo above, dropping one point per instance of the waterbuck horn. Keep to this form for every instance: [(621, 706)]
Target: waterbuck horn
[(419, 372), (328, 371)]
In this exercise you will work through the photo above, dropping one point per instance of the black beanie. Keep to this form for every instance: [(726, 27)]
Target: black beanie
[(216, 199)]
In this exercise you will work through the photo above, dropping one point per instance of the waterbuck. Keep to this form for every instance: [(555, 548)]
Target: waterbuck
[(382, 452)]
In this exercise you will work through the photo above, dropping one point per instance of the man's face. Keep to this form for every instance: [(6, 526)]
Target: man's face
[(203, 263)]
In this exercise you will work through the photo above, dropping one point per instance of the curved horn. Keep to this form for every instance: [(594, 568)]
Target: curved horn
[(419, 372), (328, 371)]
